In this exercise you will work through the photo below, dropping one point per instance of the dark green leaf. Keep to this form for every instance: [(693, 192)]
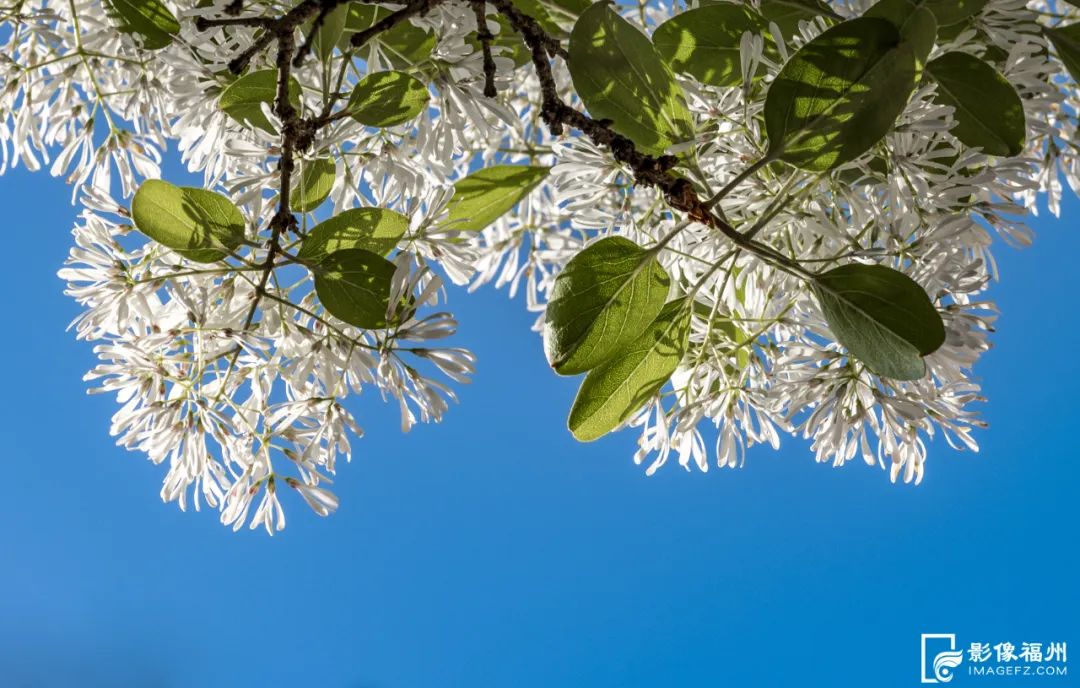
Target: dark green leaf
[(200, 225), (839, 94), (149, 19), (612, 392), (485, 195), (601, 301), (242, 99), (883, 318), (915, 23), (949, 12), (354, 286), (384, 99), (620, 76), (704, 42), (1066, 41), (988, 111), (373, 229), (314, 185), (788, 13)]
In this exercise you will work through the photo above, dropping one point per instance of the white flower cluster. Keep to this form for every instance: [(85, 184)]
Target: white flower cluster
[(240, 386)]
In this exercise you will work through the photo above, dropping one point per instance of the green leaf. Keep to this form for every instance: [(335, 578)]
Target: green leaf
[(150, 19), (600, 302), (704, 42), (949, 12), (354, 286), (485, 195), (988, 111), (1066, 41), (883, 318), (538, 11), (915, 23), (839, 94), (620, 76), (405, 45), (242, 99), (373, 229), (612, 392), (384, 99), (788, 13), (573, 8), (200, 225), (314, 185), (330, 32)]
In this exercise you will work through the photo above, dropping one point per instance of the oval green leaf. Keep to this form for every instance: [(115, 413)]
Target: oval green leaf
[(704, 42), (354, 286), (612, 392), (949, 12), (883, 318), (839, 94), (384, 99), (485, 195), (314, 185), (200, 225), (373, 229), (621, 77), (1066, 41), (600, 302), (151, 20), (242, 99), (330, 32), (988, 111)]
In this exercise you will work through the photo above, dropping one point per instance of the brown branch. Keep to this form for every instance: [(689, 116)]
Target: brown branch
[(484, 34), (414, 8), (648, 170)]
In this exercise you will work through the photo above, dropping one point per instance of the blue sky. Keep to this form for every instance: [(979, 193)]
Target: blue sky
[(493, 550)]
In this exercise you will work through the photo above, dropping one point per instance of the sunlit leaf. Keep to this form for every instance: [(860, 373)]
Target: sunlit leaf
[(200, 225), (621, 77), (487, 194), (384, 99), (242, 99), (314, 185), (601, 301), (704, 42), (839, 94), (377, 230), (354, 285), (151, 20), (613, 391)]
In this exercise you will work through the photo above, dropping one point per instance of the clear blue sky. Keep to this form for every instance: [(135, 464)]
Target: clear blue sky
[(495, 551)]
